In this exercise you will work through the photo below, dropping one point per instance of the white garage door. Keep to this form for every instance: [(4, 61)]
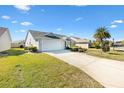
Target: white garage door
[(52, 44)]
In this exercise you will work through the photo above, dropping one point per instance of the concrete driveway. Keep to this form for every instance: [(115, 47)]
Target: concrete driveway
[(109, 73)]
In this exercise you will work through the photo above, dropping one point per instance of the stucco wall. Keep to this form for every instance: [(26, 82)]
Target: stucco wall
[(30, 41), (83, 45), (5, 42)]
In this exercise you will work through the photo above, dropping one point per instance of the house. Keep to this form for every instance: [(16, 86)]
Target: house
[(44, 41), (75, 41), (5, 39), (18, 44)]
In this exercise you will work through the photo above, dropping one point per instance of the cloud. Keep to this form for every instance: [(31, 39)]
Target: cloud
[(117, 21), (42, 10), (23, 7), (26, 23), (21, 31), (14, 22), (113, 26), (78, 19), (59, 29), (5, 17)]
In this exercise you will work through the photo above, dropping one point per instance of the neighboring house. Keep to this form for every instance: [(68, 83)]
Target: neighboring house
[(17, 44), (5, 39), (75, 41), (44, 41)]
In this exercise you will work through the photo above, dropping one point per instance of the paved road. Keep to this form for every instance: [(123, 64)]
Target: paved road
[(109, 73)]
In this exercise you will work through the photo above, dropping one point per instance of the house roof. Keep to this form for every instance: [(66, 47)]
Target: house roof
[(2, 30), (38, 34), (76, 39)]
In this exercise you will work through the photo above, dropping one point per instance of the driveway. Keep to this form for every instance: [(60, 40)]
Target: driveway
[(109, 73)]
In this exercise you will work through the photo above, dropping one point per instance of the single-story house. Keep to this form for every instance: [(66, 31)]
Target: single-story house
[(44, 41), (5, 39), (75, 41), (18, 44), (118, 44)]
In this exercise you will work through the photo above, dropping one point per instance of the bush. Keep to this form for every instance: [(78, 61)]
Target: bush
[(26, 48), (105, 46), (82, 49), (95, 44), (31, 49), (21, 46), (74, 48), (68, 48)]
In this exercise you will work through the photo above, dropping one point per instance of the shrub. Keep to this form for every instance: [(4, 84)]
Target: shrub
[(31, 49), (21, 46), (95, 44), (26, 48), (74, 48), (82, 49), (68, 48), (105, 46)]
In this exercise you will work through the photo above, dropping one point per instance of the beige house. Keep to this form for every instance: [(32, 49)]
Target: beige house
[(75, 41), (5, 39)]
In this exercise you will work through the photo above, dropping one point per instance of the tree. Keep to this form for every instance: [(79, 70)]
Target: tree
[(101, 34)]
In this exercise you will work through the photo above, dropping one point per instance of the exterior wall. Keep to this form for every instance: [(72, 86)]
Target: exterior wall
[(49, 44), (83, 45), (5, 42), (30, 41)]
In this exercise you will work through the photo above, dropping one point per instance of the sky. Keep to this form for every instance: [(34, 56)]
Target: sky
[(80, 21)]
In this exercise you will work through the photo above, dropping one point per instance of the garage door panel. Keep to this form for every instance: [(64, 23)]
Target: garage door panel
[(53, 44)]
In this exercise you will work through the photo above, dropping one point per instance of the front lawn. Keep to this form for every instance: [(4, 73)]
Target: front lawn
[(20, 69), (115, 55)]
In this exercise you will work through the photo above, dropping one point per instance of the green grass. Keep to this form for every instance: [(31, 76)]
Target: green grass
[(115, 55), (20, 69)]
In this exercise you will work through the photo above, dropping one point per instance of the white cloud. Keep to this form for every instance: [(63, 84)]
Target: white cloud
[(14, 22), (21, 31), (26, 23), (78, 19), (117, 21), (59, 29), (5, 17), (23, 7), (113, 26), (42, 10)]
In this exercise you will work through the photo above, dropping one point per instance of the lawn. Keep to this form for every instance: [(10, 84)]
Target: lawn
[(20, 69), (115, 55)]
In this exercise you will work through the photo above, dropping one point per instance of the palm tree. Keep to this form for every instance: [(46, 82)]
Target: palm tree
[(101, 34)]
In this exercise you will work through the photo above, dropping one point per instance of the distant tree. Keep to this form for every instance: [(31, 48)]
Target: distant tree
[(122, 42)]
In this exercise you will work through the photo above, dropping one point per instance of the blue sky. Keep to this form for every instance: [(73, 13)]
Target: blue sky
[(80, 21)]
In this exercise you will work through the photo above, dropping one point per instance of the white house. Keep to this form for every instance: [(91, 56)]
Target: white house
[(5, 39), (44, 41)]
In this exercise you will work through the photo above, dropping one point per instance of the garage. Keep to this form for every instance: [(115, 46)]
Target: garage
[(51, 44)]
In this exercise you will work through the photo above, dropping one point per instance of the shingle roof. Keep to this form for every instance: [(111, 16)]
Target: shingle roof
[(2, 30), (39, 34)]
